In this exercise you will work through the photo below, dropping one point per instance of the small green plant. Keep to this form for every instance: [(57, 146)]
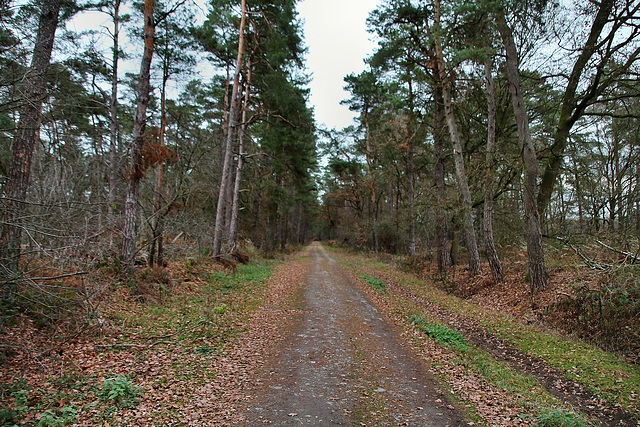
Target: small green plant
[(560, 418), (378, 284), (18, 393), (52, 418), (221, 309), (205, 349), (441, 334), (119, 390)]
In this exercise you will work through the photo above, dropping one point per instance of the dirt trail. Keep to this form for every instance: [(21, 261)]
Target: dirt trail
[(343, 365)]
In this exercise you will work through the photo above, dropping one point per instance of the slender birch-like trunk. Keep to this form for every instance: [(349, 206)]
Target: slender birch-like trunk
[(233, 228), (232, 124)]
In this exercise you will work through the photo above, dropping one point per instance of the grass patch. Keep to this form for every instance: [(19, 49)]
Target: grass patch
[(186, 329), (605, 373), (537, 405), (441, 334), (560, 418), (376, 283)]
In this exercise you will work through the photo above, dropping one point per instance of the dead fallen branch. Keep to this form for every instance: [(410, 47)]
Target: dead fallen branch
[(627, 255), (592, 264)]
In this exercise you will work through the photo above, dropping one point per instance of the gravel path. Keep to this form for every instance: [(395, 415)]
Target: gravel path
[(343, 364)]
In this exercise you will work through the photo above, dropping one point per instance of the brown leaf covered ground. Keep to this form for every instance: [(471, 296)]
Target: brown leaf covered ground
[(191, 342)]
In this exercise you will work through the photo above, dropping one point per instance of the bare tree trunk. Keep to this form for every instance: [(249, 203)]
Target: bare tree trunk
[(226, 167), (114, 160), (233, 226), (412, 203), (537, 270), (372, 185), (442, 237), (492, 254), (24, 142), (410, 177), (135, 164), (468, 220), (158, 221)]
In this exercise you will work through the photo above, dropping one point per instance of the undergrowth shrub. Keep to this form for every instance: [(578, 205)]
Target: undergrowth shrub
[(606, 312), (58, 418), (152, 283), (120, 391)]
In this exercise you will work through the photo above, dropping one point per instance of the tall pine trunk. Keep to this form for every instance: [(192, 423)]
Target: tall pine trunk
[(372, 186), (114, 155), (231, 126), (439, 124), (411, 177), (468, 217), (537, 270), (24, 142), (139, 124), (492, 253), (157, 240)]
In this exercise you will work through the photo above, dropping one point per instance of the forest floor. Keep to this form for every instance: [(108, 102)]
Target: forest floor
[(323, 335)]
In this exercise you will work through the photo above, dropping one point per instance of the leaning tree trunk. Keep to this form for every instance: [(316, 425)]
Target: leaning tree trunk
[(442, 238), (468, 220), (537, 270), (492, 253), (232, 123), (572, 107), (135, 164), (463, 183), (24, 142)]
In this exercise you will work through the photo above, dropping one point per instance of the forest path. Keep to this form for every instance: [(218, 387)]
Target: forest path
[(343, 364)]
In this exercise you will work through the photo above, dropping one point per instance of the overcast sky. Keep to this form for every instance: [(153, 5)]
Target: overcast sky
[(337, 41)]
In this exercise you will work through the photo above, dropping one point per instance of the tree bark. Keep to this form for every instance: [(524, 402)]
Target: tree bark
[(114, 155), (235, 208), (157, 244), (372, 186), (537, 270), (139, 124), (24, 142), (232, 123), (492, 253), (439, 124), (410, 177), (468, 219)]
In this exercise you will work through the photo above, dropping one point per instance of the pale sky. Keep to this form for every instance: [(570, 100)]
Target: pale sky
[(337, 40)]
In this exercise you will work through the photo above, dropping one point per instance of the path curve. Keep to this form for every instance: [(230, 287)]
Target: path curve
[(343, 364)]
